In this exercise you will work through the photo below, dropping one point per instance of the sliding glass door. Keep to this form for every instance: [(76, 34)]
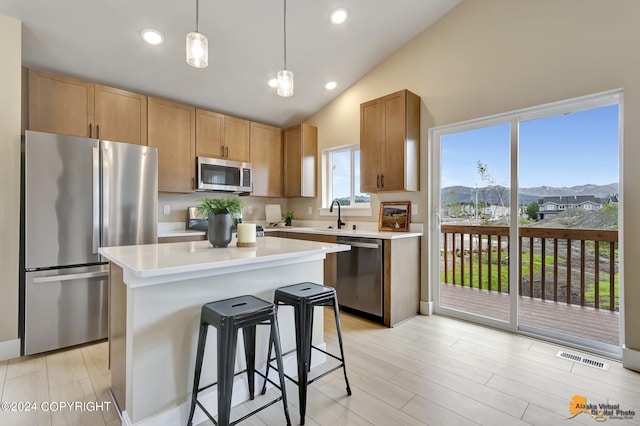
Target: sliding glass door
[(526, 221)]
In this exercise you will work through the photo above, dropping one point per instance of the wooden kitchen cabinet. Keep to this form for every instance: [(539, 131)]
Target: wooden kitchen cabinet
[(266, 160), (401, 280), (390, 143), (120, 115), (60, 104), (300, 161), (330, 261), (172, 131), (221, 136), (68, 106)]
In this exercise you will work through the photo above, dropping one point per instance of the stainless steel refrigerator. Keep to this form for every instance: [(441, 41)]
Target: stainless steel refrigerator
[(79, 194)]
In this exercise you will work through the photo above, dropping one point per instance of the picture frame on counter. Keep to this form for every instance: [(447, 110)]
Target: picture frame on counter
[(395, 216)]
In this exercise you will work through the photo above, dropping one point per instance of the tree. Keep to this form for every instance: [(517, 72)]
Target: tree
[(532, 210), (487, 177)]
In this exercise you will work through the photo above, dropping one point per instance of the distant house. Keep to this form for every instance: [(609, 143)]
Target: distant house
[(552, 206)]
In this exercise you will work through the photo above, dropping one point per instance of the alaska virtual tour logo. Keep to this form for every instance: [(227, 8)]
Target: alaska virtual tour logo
[(599, 412)]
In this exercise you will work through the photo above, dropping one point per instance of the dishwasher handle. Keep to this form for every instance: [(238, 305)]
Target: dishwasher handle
[(359, 244)]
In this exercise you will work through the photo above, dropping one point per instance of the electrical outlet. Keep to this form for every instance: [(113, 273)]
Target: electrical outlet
[(249, 210), (166, 209), (414, 209), (309, 210)]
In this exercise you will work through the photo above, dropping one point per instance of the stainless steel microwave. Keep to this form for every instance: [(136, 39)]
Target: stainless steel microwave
[(223, 175)]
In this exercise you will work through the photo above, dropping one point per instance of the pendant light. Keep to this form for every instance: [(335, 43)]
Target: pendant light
[(285, 77), (197, 45)]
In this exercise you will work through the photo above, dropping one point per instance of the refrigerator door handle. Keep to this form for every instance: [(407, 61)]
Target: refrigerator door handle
[(96, 201), (58, 278), (105, 197)]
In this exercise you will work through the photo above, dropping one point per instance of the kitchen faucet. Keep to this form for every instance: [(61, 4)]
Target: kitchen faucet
[(340, 222)]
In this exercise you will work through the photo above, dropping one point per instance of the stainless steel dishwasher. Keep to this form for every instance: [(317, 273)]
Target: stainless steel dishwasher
[(360, 271)]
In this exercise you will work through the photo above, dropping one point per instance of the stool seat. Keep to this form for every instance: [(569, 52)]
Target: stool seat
[(228, 316), (308, 292), (304, 297)]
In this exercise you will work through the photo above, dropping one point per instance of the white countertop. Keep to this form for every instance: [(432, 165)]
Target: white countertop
[(159, 263), (346, 232)]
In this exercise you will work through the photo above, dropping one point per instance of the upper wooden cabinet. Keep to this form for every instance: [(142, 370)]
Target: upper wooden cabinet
[(221, 136), (300, 161), (390, 143), (266, 160), (120, 115), (172, 131), (60, 104), (64, 105)]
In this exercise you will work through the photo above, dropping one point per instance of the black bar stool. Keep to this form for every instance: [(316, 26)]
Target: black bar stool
[(228, 316), (304, 297)]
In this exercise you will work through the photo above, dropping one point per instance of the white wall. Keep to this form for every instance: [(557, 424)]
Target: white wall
[(491, 56), (10, 101)]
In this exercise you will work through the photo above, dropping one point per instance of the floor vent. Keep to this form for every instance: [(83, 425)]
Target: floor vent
[(582, 360)]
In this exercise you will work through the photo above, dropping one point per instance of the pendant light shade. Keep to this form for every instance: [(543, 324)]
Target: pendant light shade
[(197, 50), (197, 45), (285, 77), (285, 83)]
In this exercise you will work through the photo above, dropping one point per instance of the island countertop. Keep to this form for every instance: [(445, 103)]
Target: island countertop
[(158, 263)]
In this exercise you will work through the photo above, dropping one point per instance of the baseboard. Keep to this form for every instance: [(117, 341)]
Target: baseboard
[(426, 308), (9, 349), (631, 359), (179, 414)]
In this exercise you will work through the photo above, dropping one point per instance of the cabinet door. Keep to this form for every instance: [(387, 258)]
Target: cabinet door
[(393, 147), (236, 139), (309, 160), (293, 162), (60, 104), (266, 160), (370, 146), (172, 131), (209, 134), (121, 116)]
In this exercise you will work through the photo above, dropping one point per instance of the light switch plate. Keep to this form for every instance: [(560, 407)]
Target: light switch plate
[(414, 209), (309, 210), (166, 209), (250, 210)]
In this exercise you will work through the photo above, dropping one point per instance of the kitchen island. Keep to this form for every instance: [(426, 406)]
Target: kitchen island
[(156, 293)]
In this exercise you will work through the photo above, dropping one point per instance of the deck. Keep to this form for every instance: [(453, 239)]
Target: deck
[(596, 324)]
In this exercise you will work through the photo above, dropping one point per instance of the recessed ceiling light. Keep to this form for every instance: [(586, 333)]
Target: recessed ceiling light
[(331, 85), (273, 82), (338, 16), (152, 36)]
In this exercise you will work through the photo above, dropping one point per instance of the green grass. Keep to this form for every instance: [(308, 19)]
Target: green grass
[(526, 268)]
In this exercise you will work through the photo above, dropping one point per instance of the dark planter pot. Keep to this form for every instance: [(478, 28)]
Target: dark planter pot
[(287, 222), (219, 230)]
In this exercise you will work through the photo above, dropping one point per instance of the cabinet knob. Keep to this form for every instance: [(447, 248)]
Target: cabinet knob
[(226, 151), (97, 131), (381, 181), (377, 181), (90, 130), (222, 151)]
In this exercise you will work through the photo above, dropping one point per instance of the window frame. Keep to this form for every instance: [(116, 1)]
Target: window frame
[(327, 177)]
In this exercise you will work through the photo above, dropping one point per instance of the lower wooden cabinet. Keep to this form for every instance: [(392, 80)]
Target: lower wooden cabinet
[(330, 262)]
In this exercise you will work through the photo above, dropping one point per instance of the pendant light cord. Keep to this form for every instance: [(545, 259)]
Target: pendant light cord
[(197, 15), (285, 34)]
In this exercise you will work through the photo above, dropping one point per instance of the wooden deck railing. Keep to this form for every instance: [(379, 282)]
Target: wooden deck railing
[(576, 266)]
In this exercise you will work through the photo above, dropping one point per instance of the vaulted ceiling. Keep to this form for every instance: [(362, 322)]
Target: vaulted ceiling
[(99, 40)]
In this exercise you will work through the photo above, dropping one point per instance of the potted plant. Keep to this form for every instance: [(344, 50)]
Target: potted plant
[(288, 217), (220, 212)]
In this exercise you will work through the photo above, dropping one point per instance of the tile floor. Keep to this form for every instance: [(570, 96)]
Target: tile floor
[(428, 371)]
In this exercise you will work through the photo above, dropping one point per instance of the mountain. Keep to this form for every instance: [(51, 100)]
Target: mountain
[(493, 194)]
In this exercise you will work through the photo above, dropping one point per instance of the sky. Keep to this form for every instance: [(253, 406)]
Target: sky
[(565, 150)]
